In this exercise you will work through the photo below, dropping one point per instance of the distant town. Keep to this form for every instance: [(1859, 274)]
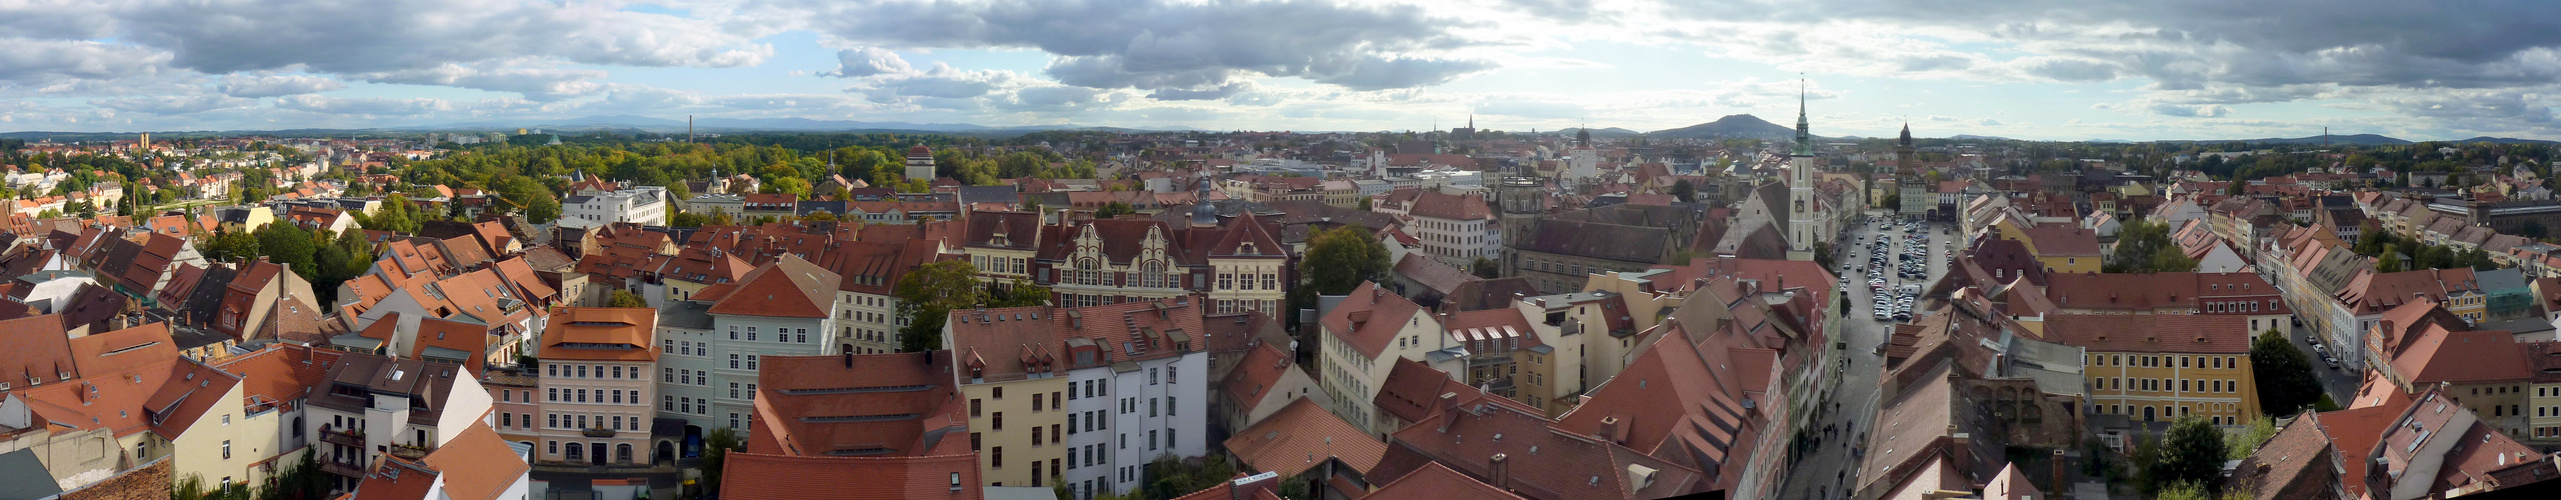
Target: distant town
[(1735, 310)]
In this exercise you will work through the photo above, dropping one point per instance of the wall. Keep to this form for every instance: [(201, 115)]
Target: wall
[(199, 451), (2108, 394), (1019, 417)]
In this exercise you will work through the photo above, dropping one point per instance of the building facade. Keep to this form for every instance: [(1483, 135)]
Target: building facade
[(598, 398)]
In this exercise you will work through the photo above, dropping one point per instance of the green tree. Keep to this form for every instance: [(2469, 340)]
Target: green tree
[(233, 246), (1683, 190), (1020, 293), (682, 219), (791, 185), (303, 480), (1486, 268), (291, 245), (1364, 204), (2240, 443), (1341, 259), (623, 298), (715, 455), (928, 295), (2192, 452), (1114, 209), (540, 205), (2145, 247)]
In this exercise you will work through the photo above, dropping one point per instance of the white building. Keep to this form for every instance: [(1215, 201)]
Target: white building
[(373, 405), (643, 205), (714, 343), (1454, 229)]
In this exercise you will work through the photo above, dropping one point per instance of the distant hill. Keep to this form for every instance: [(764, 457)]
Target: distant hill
[(2504, 140), (2358, 139), (1730, 127), (1971, 137)]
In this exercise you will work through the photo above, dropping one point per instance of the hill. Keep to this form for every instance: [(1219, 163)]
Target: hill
[(1730, 127), (2358, 139), (2504, 140)]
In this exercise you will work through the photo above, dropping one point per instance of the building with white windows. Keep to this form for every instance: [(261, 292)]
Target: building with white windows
[(593, 205), (597, 396), (715, 342), (1109, 388)]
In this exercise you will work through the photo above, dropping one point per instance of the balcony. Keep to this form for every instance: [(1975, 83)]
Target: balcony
[(409, 452), (342, 437), (597, 432), (342, 468)]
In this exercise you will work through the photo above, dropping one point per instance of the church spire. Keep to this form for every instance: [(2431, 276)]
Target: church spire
[(1907, 135), (1804, 134)]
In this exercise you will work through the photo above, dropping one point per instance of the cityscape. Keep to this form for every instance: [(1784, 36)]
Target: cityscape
[(1285, 250)]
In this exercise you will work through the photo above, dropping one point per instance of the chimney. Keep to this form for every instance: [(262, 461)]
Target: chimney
[(1961, 449), (1609, 429), (849, 359), (1448, 408), (1502, 468), (2058, 468)]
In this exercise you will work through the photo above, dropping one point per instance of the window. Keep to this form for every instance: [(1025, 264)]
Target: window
[(1151, 376), (667, 403), (226, 449), (999, 420), (1169, 406), (733, 390), (751, 361), (1169, 374), (1036, 401), (1035, 435), (751, 334), (667, 375)]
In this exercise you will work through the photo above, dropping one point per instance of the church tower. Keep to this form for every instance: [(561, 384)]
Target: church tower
[(1522, 196), (1903, 157), (1804, 217)]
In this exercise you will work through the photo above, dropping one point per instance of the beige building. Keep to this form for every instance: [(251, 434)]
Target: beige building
[(2157, 368), (1363, 337), (598, 391)]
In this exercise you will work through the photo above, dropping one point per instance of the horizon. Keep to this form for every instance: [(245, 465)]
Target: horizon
[(2157, 71)]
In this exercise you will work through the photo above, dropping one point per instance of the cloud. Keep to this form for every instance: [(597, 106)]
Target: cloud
[(939, 82), (537, 84), (1220, 92), (363, 106), (868, 61), (2193, 111), (47, 62), (253, 86), (1568, 11), (173, 105), (1532, 109), (1160, 44), (329, 36)]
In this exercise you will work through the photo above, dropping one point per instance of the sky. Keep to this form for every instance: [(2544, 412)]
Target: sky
[(2026, 69)]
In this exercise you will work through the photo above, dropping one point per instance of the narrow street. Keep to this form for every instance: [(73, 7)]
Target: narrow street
[(1826, 471)]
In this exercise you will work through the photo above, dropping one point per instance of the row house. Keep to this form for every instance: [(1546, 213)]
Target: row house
[(1236, 266), (475, 465), (1361, 341), (2421, 345), (482, 299), (2400, 449), (2312, 268), (1109, 388), (2365, 299)]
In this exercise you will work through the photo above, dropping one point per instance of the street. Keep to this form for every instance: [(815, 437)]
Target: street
[(1825, 471), (2339, 383)]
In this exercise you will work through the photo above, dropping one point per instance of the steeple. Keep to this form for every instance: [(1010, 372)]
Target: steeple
[(1804, 134)]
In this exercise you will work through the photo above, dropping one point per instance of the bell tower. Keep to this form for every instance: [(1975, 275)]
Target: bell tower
[(1804, 213), (1522, 196)]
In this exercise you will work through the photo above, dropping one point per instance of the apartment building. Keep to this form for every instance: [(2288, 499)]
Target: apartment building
[(1454, 229), (857, 426), (597, 396), (1239, 263), (374, 405), (2159, 367), (596, 204), (2422, 345), (1359, 343), (1109, 388), (721, 336)]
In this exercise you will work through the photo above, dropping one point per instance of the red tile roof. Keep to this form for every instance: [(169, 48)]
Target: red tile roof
[(2063, 240), (602, 334), (1369, 318), (1303, 435), (899, 404), (1438, 481), (2151, 333), (1413, 390), (1260, 370), (477, 464), (789, 287), (760, 475), (39, 352)]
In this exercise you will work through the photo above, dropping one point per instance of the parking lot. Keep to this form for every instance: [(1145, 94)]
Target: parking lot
[(1826, 470)]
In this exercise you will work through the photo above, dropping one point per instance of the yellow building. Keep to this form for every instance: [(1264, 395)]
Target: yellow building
[(2060, 247), (1014, 386), (2157, 368)]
